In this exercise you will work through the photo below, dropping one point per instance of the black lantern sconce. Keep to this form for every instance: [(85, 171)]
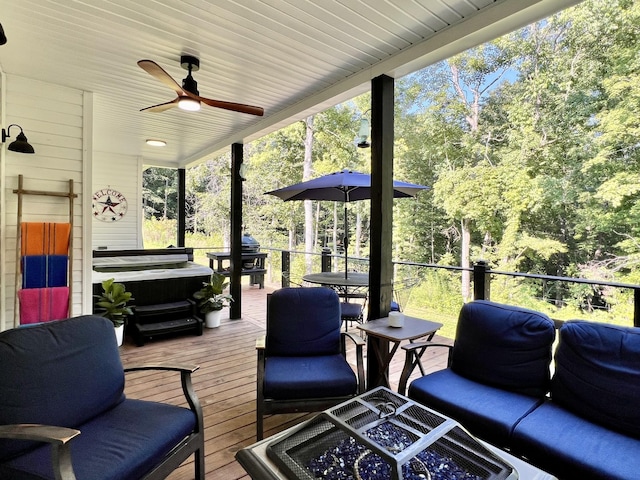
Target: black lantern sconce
[(20, 144)]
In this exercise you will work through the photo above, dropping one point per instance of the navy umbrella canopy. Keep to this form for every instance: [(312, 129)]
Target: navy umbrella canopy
[(344, 186)]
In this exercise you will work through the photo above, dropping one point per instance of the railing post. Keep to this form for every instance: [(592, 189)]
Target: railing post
[(326, 260), (636, 307), (481, 281), (286, 268)]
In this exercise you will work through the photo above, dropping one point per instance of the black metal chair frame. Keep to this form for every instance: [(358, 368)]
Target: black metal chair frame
[(268, 406), (61, 438)]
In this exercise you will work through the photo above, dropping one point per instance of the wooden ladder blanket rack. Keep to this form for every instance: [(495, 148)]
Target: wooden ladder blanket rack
[(20, 191)]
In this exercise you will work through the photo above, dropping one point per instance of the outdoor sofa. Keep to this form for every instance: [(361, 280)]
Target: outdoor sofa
[(582, 422), (64, 415)]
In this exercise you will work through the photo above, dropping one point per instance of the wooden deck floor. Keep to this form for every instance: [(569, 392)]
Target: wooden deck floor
[(225, 383)]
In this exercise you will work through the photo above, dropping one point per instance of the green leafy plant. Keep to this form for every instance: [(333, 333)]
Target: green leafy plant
[(112, 302), (210, 296)]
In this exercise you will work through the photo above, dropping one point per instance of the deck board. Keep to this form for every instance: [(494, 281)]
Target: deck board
[(225, 383)]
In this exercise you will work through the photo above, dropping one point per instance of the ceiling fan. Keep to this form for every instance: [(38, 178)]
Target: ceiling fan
[(188, 96)]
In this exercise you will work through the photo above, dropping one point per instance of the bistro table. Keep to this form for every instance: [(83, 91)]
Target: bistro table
[(381, 335), (338, 279), (344, 285)]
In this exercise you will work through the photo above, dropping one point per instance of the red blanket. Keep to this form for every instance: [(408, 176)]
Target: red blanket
[(43, 304)]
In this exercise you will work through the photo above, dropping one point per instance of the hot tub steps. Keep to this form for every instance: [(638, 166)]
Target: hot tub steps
[(164, 318)]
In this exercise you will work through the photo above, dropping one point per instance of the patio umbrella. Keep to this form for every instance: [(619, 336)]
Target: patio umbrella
[(344, 186)]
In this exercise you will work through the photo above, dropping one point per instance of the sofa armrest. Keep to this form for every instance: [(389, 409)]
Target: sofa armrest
[(413, 354), (58, 437), (187, 386), (359, 342)]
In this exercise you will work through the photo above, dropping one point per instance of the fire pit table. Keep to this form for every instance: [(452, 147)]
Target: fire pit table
[(381, 435)]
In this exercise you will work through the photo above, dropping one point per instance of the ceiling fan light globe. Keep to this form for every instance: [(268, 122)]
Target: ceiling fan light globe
[(189, 104)]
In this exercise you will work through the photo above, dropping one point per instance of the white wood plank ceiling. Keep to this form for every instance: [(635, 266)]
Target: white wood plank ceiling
[(291, 57)]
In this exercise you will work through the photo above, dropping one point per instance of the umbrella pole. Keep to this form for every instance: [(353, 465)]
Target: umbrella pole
[(345, 242)]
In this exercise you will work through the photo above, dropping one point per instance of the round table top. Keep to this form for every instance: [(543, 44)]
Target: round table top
[(353, 279)]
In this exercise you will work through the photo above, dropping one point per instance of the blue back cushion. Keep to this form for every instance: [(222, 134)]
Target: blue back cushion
[(504, 346), (597, 374), (59, 373), (303, 322)]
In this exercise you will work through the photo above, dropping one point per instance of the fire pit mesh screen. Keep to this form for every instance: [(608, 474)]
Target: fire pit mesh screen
[(381, 436)]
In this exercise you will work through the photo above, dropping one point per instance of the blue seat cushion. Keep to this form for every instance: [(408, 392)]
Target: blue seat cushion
[(488, 412), (504, 346), (569, 446), (598, 374), (315, 377), (121, 444)]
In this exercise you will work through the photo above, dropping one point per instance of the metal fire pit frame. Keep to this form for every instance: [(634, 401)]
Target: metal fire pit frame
[(382, 407)]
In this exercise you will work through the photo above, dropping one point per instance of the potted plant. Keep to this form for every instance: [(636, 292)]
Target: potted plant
[(112, 304), (211, 300)]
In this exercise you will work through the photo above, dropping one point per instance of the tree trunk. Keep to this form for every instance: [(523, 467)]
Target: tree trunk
[(358, 233), (335, 227), (316, 232), (465, 248)]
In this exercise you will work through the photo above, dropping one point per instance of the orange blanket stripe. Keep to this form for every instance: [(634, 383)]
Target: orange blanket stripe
[(45, 238)]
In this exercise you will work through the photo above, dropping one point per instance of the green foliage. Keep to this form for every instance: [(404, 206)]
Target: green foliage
[(112, 302), (210, 296), (529, 144), (160, 193)]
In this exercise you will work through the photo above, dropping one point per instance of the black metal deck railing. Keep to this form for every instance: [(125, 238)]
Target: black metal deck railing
[(282, 269), (480, 272)]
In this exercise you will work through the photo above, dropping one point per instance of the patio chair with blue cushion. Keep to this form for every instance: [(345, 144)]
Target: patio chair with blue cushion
[(302, 365), (352, 307), (498, 369), (64, 414)]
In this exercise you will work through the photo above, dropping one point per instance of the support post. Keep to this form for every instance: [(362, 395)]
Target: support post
[(326, 260), (286, 268), (381, 264), (182, 206), (235, 311), (481, 281)]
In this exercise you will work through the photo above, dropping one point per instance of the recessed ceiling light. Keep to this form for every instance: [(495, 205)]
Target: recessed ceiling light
[(156, 143)]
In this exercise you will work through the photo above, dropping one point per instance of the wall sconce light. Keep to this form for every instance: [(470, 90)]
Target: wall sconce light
[(20, 144), (3, 37), (243, 171), (363, 134)]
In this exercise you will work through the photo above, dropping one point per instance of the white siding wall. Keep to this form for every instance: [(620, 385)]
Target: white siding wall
[(124, 174), (58, 123), (53, 120)]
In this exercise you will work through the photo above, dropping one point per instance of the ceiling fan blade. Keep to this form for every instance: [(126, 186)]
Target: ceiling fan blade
[(156, 71), (235, 107), (161, 107)]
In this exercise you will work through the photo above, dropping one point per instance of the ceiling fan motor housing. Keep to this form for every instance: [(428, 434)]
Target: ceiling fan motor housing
[(192, 64)]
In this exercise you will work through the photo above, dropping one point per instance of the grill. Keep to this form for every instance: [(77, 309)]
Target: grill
[(381, 435), (249, 245)]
